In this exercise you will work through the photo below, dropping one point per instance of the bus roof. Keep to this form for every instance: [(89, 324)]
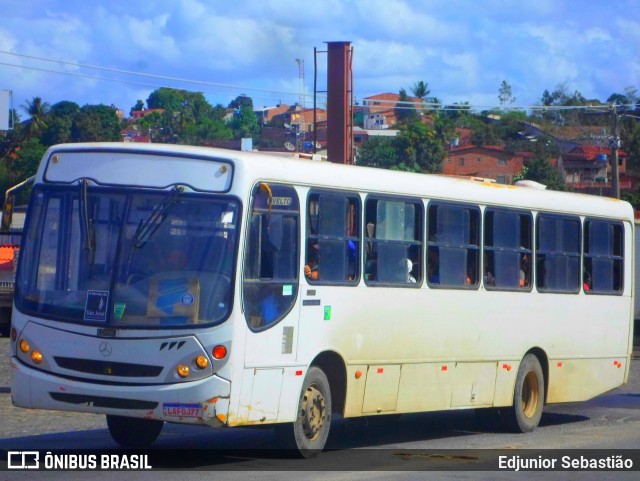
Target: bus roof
[(250, 167)]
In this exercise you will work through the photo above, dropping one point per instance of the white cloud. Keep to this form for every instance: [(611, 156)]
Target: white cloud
[(463, 49)]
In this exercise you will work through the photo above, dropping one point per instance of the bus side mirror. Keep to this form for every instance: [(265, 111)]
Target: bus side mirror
[(9, 201)]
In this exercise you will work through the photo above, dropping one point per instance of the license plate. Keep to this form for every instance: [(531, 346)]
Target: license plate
[(182, 410)]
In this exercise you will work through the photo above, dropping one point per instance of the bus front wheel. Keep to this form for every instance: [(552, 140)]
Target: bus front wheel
[(133, 432), (528, 397), (308, 434)]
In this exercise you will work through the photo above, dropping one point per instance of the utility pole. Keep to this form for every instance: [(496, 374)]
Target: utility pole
[(614, 144)]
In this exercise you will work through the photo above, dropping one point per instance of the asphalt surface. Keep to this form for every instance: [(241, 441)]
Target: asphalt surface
[(18, 422)]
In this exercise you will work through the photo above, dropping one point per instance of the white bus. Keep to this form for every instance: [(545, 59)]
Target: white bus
[(201, 286)]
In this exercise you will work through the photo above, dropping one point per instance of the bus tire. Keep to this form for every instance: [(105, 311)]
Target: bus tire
[(308, 434), (133, 432), (528, 396)]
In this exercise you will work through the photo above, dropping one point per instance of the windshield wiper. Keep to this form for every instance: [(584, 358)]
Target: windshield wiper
[(147, 227), (86, 222)]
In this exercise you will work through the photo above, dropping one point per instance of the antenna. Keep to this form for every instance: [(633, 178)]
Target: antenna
[(300, 63)]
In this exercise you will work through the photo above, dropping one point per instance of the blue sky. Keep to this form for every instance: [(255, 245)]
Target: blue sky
[(462, 49)]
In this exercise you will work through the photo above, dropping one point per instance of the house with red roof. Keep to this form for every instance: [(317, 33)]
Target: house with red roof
[(587, 168), (379, 111), (489, 162)]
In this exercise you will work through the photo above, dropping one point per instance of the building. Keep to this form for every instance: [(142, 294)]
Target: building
[(379, 111), (297, 118), (138, 114), (490, 162), (587, 168), (267, 114)]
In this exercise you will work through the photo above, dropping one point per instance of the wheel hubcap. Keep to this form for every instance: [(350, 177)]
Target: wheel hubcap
[(530, 394), (312, 412)]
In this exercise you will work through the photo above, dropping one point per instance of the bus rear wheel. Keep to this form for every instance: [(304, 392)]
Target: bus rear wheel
[(133, 432), (528, 397), (308, 434)]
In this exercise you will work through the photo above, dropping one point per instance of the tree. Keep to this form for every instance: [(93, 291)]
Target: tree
[(245, 122), (96, 123), (504, 94), (60, 122), (405, 110), (416, 148), (418, 144), (541, 170), (421, 90), (37, 110), (241, 101), (23, 161), (379, 152), (166, 98), (631, 143), (138, 106), (561, 97)]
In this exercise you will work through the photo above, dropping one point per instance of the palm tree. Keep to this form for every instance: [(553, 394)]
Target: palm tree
[(420, 89), (37, 110)]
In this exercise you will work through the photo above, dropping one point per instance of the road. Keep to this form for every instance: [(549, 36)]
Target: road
[(398, 443)]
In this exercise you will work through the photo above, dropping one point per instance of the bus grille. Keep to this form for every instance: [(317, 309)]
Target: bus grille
[(108, 368), (103, 402)]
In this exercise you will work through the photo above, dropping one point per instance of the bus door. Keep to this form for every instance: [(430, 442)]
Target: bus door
[(270, 294)]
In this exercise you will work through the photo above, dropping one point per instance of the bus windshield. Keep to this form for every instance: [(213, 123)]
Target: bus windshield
[(128, 258)]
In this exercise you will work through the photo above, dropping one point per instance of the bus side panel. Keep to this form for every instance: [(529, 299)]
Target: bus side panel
[(475, 384), (425, 387), (581, 379)]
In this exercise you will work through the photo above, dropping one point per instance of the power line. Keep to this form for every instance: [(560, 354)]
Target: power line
[(462, 107), (134, 73), (130, 82)]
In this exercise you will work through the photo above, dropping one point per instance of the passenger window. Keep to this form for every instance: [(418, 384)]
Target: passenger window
[(271, 266), (393, 242), (603, 257), (453, 252), (558, 254), (507, 250), (333, 238)]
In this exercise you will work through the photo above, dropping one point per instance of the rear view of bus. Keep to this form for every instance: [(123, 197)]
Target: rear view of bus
[(125, 288)]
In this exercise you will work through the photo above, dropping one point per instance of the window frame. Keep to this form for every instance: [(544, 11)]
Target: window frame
[(419, 215), (538, 253), (520, 250), (270, 282), (310, 238), (469, 247), (620, 258)]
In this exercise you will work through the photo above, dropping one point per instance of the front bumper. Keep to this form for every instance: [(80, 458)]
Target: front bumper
[(31, 388)]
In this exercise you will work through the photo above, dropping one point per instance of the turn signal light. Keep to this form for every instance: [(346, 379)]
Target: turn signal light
[(202, 361), (219, 352), (24, 346), (36, 356), (183, 370)]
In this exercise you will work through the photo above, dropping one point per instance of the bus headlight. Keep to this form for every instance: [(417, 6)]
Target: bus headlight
[(183, 370), (24, 346), (36, 356)]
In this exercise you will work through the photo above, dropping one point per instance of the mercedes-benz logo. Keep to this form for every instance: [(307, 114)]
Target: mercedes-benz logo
[(105, 349)]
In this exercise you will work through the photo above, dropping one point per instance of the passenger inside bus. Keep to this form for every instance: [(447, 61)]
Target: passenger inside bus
[(489, 280), (311, 267), (524, 271), (410, 277)]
